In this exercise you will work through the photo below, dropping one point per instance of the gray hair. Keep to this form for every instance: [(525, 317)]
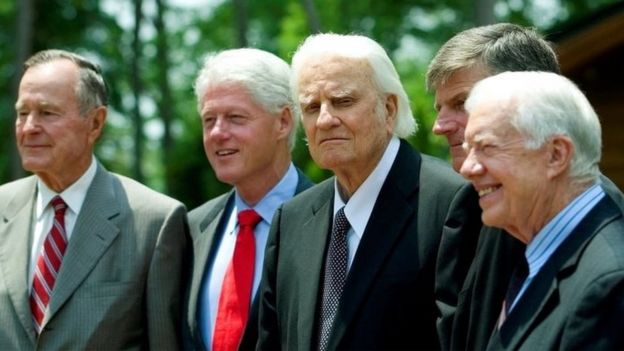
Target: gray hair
[(496, 48), (91, 89), (385, 77), (542, 105), (264, 75)]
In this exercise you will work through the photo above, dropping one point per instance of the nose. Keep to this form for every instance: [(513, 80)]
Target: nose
[(29, 123), (444, 124), (220, 130), (471, 166), (326, 118)]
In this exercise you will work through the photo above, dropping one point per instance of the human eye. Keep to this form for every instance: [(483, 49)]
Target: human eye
[(208, 121), (344, 101), (236, 118), (311, 108), (22, 114)]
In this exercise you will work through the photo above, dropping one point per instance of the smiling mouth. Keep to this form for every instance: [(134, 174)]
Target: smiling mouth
[(225, 152), (488, 190)]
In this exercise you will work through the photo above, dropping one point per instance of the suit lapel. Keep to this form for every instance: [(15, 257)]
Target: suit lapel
[(391, 214), (205, 248), (541, 297), (315, 233), (15, 233), (93, 233)]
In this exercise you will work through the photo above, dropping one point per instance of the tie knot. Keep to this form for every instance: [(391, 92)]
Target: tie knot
[(248, 218), (341, 223), (58, 205)]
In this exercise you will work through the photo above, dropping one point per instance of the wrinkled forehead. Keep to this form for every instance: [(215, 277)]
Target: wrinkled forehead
[(489, 120), (339, 75)]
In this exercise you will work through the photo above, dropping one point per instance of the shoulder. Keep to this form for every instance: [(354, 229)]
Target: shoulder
[(17, 185), (199, 213), (311, 195), (439, 172), (142, 198)]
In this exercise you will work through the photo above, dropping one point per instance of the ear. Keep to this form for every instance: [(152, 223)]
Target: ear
[(391, 106), (285, 123), (560, 151), (97, 122)]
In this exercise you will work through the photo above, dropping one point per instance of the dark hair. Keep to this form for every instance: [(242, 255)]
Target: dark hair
[(496, 48)]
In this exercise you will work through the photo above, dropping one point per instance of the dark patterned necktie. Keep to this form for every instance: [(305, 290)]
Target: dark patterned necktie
[(335, 276), (517, 280)]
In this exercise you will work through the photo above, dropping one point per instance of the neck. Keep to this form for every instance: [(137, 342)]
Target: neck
[(254, 190)]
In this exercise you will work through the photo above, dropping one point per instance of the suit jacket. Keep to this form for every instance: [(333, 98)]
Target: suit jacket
[(207, 223), (119, 284), (576, 300), (387, 301), (480, 301)]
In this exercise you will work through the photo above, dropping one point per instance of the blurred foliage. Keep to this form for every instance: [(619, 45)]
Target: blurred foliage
[(410, 31)]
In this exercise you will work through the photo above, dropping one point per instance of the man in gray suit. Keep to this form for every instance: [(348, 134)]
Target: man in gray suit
[(88, 259), (246, 110), (533, 146), (365, 282)]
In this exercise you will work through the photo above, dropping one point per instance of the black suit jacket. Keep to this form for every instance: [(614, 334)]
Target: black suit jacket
[(480, 301), (388, 301), (576, 301), (207, 224)]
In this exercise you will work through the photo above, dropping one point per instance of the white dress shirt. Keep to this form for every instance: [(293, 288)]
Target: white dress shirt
[(73, 196), (360, 206)]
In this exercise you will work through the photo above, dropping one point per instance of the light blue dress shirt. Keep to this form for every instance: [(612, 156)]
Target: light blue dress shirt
[(542, 247)]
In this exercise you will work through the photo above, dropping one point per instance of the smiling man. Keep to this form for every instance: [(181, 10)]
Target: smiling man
[(350, 262), (533, 144), (245, 107)]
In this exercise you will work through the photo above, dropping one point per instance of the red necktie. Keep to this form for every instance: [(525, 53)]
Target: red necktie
[(235, 296), (48, 264)]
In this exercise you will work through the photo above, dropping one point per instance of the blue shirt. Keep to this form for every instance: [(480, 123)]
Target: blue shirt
[(213, 278), (554, 233)]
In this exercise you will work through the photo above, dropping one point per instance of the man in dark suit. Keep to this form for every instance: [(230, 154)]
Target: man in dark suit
[(246, 110), (533, 146), (350, 262), (470, 311), (88, 259)]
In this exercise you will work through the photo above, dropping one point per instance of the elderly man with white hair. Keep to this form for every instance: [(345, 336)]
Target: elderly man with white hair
[(245, 106), (350, 262), (533, 145)]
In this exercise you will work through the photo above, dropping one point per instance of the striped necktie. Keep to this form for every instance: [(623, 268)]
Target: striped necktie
[(48, 264)]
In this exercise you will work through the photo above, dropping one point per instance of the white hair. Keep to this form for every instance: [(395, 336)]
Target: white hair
[(385, 77), (542, 105), (264, 75)]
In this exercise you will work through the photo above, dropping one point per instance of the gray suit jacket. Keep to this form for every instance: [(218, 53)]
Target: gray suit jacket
[(388, 301), (119, 284), (576, 301), (206, 223)]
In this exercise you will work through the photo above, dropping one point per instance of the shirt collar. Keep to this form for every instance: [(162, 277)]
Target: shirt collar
[(360, 206), (73, 196), (554, 233), (281, 192)]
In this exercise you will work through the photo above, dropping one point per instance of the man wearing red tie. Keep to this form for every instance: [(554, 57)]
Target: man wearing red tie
[(249, 127)]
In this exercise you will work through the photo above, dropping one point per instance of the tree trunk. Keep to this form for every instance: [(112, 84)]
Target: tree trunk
[(313, 19), (240, 15), (137, 89), (484, 12), (165, 105), (25, 20)]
